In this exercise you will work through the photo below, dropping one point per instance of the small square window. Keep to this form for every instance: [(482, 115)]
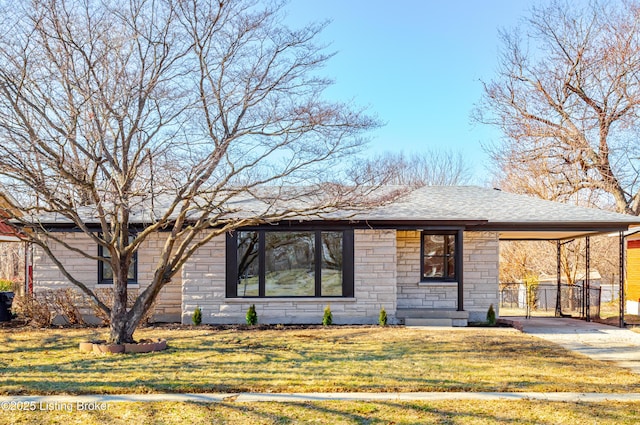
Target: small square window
[(105, 272), (438, 254)]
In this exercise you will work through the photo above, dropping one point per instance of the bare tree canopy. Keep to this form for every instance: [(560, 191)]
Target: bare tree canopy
[(109, 107), (425, 168), (567, 99)]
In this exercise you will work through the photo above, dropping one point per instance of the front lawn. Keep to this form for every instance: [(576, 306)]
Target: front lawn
[(344, 412), (335, 359)]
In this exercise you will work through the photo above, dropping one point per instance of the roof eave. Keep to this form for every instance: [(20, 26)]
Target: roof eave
[(590, 226)]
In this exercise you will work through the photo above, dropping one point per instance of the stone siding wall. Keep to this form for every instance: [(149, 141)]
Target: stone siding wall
[(412, 293), (374, 287), (481, 273), (481, 261), (47, 276), (386, 269)]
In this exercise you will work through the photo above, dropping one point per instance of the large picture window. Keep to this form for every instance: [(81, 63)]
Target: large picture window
[(309, 263), (439, 256)]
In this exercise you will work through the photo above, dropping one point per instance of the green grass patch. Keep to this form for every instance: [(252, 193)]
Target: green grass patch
[(335, 359)]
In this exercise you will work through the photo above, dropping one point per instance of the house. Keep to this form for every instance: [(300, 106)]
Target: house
[(430, 257)]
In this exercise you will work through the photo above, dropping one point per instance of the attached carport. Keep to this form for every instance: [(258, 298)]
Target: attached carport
[(513, 217), (522, 218), (562, 233)]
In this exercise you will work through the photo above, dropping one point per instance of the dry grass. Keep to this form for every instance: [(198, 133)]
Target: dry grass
[(302, 360), (337, 359), (343, 412)]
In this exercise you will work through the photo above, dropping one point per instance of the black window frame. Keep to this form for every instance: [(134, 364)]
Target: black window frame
[(456, 256), (101, 264), (347, 264)]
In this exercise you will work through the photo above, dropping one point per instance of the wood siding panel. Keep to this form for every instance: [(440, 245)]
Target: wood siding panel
[(633, 271)]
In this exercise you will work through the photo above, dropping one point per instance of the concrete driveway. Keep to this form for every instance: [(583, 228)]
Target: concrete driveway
[(595, 340)]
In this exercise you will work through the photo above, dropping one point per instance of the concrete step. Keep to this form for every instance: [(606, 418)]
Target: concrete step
[(409, 321), (425, 313)]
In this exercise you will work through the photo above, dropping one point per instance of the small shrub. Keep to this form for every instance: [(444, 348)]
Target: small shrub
[(491, 316), (6, 285), (197, 316), (382, 319), (327, 319), (252, 316), (34, 309), (41, 308), (65, 303)]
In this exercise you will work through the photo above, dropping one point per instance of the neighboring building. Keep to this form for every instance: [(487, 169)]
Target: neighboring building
[(7, 233), (632, 292), (594, 278), (431, 257)]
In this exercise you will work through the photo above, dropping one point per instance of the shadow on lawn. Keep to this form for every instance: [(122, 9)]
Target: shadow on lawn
[(354, 412), (536, 412), (295, 410), (381, 412)]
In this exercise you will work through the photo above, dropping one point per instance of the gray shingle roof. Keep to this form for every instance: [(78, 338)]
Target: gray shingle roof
[(515, 216), (469, 203)]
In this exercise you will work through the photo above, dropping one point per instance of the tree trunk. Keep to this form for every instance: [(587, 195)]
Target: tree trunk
[(123, 327), (120, 331)]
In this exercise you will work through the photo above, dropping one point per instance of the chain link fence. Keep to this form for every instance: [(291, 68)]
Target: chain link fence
[(520, 299)]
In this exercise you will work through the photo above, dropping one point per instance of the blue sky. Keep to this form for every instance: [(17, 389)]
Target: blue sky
[(417, 65)]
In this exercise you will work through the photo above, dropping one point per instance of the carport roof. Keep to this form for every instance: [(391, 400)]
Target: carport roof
[(513, 216)]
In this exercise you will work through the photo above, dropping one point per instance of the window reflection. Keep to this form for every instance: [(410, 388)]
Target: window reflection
[(289, 264), (438, 256)]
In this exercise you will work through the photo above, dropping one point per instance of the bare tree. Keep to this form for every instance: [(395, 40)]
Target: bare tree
[(519, 259), (12, 261), (161, 112), (567, 99), (425, 168), (523, 258)]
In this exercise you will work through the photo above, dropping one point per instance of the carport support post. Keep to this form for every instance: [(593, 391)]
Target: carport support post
[(559, 277), (621, 272), (587, 282)]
